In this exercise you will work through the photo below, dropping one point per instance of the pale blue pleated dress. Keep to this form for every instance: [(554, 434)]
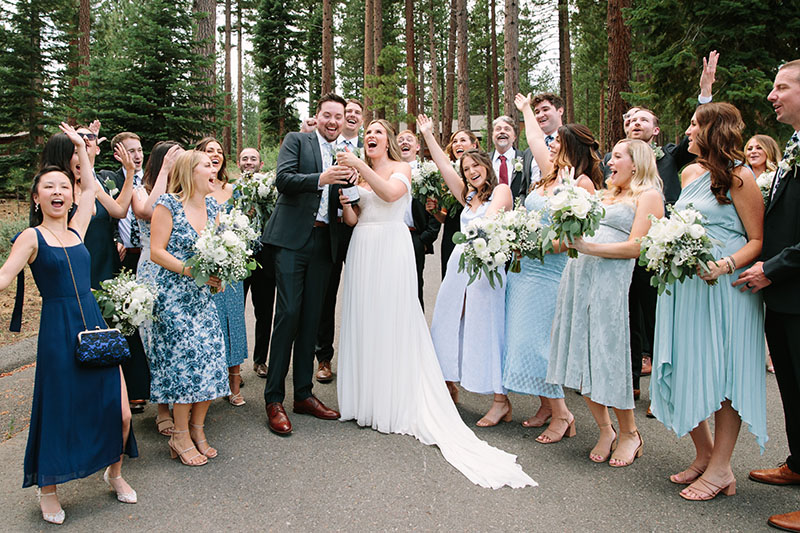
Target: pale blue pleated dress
[(709, 340), (590, 347), (530, 305), (468, 327)]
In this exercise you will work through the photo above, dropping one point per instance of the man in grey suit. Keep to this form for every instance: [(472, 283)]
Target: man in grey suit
[(304, 234)]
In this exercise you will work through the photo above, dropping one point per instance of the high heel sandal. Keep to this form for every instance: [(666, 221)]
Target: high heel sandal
[(595, 456), (488, 422), (237, 399), (54, 518), (534, 422), (209, 451), (127, 497), (165, 425), (636, 454), (709, 490), (568, 432), (174, 452), (692, 470)]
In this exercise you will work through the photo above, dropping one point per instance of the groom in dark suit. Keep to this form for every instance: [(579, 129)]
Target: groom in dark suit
[(778, 274), (304, 234)]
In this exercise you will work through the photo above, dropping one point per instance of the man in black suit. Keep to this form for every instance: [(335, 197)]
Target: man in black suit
[(424, 228), (305, 235), (348, 139), (507, 160), (778, 274)]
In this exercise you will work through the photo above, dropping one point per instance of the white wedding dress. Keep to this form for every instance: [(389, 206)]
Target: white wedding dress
[(388, 376)]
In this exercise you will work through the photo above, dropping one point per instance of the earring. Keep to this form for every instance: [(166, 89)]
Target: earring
[(36, 209)]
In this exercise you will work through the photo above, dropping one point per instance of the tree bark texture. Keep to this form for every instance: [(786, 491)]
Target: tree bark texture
[(565, 59), (327, 47), (434, 75), (463, 67), (511, 59), (239, 76), (495, 76), (450, 76), (205, 12), (619, 68), (369, 58), (411, 67), (226, 129), (377, 48)]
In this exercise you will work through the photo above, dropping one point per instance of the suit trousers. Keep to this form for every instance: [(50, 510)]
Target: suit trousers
[(642, 299), (327, 321), (262, 284), (301, 278), (783, 341)]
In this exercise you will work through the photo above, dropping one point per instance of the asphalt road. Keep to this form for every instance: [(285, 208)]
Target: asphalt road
[(335, 476)]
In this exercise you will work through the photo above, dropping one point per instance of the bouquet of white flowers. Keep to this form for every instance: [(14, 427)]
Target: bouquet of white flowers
[(223, 250), (487, 247), (675, 247), (426, 181), (764, 182), (523, 230), (574, 212), (255, 194), (125, 302)]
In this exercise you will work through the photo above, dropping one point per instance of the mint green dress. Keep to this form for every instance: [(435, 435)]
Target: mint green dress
[(709, 340)]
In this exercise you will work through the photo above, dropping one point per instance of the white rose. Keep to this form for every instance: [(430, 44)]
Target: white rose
[(674, 229), (494, 244), (558, 201), (696, 231), (479, 245), (581, 207), (230, 238), (500, 258), (490, 226)]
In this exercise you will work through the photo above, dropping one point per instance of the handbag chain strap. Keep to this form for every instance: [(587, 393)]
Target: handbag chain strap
[(71, 273)]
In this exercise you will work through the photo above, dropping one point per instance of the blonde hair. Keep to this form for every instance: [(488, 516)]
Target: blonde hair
[(645, 172), (181, 182), (392, 148)]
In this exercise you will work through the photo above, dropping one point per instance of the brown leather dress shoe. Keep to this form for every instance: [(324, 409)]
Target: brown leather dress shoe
[(647, 366), (277, 420), (312, 406), (260, 369), (786, 522), (324, 373), (782, 475)]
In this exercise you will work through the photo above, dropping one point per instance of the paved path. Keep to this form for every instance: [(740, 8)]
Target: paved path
[(330, 475)]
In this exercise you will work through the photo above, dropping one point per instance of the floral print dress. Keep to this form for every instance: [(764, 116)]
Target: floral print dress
[(188, 349)]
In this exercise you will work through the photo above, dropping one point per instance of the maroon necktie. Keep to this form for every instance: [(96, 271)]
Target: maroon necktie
[(503, 170)]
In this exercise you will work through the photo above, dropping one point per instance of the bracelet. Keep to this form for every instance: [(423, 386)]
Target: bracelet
[(730, 264), (733, 262)]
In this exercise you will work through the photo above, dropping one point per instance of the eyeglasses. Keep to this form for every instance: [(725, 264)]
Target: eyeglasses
[(88, 136)]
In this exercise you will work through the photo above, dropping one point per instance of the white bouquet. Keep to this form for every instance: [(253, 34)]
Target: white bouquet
[(487, 247), (675, 247), (523, 230), (125, 302), (255, 195), (764, 182), (574, 212), (223, 250), (426, 181)]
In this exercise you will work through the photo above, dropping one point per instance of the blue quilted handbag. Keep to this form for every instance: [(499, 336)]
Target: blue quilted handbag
[(97, 347)]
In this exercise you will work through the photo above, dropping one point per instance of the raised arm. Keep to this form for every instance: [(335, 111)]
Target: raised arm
[(88, 185), (502, 200), (450, 176), (118, 208), (534, 134), (143, 204)]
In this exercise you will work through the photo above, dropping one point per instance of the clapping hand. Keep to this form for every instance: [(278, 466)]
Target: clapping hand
[(308, 125), (522, 101)]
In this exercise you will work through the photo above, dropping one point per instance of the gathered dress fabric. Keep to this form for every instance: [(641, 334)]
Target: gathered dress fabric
[(468, 327), (388, 375), (76, 416), (590, 348), (530, 306), (709, 340), (187, 347)]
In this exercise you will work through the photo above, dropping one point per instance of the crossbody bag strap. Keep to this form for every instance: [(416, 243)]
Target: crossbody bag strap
[(72, 274)]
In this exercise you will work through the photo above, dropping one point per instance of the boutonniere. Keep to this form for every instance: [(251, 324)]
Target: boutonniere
[(657, 150), (111, 186), (518, 164), (791, 157)]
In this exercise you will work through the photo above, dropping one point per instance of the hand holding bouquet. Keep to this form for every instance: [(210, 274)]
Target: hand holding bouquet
[(486, 248), (574, 211), (223, 250), (124, 302), (676, 247), (524, 231)]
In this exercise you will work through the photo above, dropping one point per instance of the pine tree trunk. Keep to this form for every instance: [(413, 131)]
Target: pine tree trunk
[(327, 47), (495, 76), (369, 58), (377, 29), (619, 67), (434, 75), (565, 59), (206, 14), (226, 129), (239, 90), (411, 68), (84, 36), (601, 134), (489, 86), (511, 59), (463, 67), (450, 76)]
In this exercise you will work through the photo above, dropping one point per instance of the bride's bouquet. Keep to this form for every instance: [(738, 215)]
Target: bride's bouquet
[(255, 194), (426, 182), (764, 182), (675, 247), (125, 302), (223, 250), (524, 232), (487, 247), (575, 212)]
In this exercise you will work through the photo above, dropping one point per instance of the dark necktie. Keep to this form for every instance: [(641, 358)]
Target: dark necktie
[(503, 170)]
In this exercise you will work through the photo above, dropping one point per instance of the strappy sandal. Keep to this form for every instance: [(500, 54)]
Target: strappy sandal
[(175, 453), (595, 455), (636, 454), (209, 451), (54, 518), (707, 490), (165, 425), (237, 399), (487, 422), (685, 480), (549, 436)]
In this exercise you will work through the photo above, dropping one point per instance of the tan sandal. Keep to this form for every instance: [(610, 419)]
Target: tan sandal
[(175, 453), (549, 436), (165, 425), (636, 454), (209, 451), (595, 455), (687, 479), (487, 422)]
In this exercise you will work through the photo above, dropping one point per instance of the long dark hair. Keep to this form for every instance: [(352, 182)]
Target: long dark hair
[(578, 149), (154, 164), (483, 159), (58, 152), (36, 217), (222, 175), (719, 141)]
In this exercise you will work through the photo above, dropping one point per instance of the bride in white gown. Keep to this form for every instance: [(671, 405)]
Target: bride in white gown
[(388, 375)]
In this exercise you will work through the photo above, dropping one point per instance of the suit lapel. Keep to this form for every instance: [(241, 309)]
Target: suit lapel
[(316, 149), (791, 174)]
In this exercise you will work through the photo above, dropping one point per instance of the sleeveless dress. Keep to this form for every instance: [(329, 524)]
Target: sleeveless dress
[(530, 306), (76, 417), (188, 351), (146, 273), (389, 378), (590, 346), (710, 340), (470, 347), (230, 307)]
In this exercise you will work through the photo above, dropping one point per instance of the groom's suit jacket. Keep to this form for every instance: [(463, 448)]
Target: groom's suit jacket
[(297, 180), (781, 247), (519, 181)]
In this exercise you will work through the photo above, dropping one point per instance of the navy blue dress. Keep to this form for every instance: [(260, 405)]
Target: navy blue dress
[(76, 417)]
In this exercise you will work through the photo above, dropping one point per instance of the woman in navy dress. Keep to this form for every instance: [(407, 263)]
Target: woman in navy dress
[(80, 418)]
